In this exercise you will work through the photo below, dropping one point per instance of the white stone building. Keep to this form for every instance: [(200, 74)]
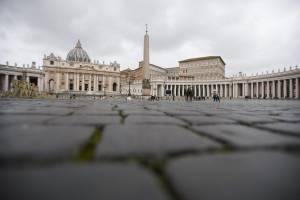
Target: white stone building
[(206, 76), (31, 74), (78, 74)]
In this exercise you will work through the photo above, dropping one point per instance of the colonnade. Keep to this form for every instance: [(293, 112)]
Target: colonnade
[(7, 78), (265, 88)]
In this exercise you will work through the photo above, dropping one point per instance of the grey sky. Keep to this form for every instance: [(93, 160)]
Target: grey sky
[(251, 36)]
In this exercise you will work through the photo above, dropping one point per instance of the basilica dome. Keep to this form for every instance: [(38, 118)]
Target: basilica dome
[(78, 54)]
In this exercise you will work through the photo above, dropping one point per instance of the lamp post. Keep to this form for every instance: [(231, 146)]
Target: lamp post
[(129, 94)]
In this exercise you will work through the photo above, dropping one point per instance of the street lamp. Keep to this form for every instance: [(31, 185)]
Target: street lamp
[(129, 93)]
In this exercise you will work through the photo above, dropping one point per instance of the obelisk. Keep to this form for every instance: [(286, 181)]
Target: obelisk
[(146, 65)]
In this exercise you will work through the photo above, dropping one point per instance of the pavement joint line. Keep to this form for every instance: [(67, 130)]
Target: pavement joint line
[(87, 151)]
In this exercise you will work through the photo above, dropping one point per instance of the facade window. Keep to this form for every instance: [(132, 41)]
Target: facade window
[(51, 62)]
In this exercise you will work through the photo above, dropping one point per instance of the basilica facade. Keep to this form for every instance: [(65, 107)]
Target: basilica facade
[(78, 74)]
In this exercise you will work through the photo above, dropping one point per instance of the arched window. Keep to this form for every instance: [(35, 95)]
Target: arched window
[(114, 87)]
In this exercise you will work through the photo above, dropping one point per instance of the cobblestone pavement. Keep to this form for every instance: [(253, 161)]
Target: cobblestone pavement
[(112, 149)]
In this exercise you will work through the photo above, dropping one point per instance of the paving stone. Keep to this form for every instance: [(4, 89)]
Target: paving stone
[(282, 127), (41, 142), (142, 112), (250, 119), (148, 119), (157, 140), (235, 176), (20, 120), (244, 136), (106, 181), (206, 120), (91, 120)]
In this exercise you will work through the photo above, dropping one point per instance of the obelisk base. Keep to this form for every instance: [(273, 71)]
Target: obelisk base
[(146, 87)]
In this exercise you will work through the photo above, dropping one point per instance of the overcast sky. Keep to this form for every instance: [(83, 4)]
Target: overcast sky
[(251, 36)]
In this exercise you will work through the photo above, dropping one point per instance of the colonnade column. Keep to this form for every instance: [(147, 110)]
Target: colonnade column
[(225, 95), (273, 89), (268, 89), (279, 89), (221, 90), (257, 91), (252, 92), (262, 89), (291, 88), (284, 89), (297, 88), (6, 82)]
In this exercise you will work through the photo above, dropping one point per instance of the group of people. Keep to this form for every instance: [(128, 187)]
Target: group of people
[(216, 98)]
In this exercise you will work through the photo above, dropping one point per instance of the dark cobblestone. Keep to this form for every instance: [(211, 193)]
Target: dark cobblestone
[(113, 149), (248, 176), (159, 140)]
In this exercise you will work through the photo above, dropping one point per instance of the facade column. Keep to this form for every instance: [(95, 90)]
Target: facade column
[(291, 88), (226, 89), (90, 83), (66, 81), (273, 89), (40, 84), (279, 89), (268, 89), (46, 82), (77, 82), (110, 83), (57, 81), (104, 83), (82, 82), (297, 88), (284, 89)]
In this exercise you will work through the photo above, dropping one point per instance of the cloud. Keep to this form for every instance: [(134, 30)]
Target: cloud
[(251, 36)]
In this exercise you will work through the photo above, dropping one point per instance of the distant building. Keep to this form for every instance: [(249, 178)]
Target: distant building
[(206, 76)]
